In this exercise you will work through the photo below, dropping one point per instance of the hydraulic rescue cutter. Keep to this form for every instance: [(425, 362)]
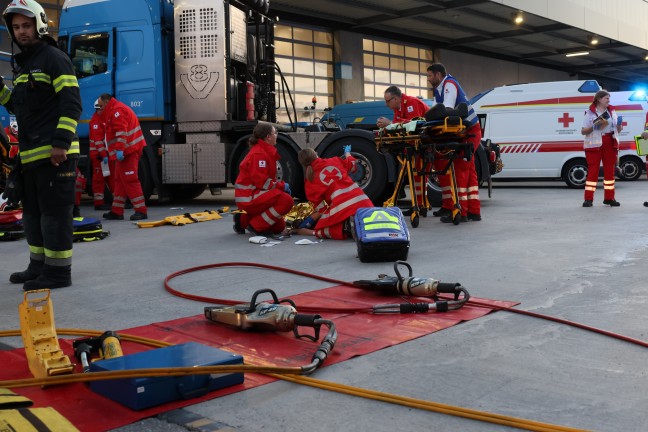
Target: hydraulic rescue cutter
[(417, 287), (280, 315)]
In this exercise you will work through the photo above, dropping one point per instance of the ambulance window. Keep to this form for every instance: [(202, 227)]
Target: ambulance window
[(89, 53)]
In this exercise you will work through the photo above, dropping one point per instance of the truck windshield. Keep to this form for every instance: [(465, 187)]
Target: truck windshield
[(89, 53)]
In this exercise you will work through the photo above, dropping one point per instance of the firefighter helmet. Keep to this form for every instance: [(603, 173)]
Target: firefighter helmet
[(28, 8)]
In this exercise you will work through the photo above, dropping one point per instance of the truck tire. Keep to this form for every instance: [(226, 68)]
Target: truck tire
[(574, 173), (288, 167), (185, 192), (434, 192), (371, 174), (630, 168), (145, 178)]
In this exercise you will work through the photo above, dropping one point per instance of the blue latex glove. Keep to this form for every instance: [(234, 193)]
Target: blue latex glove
[(347, 148), (287, 189), (105, 160), (120, 155)]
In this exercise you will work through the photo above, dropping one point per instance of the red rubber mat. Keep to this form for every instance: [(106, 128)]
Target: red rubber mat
[(359, 334)]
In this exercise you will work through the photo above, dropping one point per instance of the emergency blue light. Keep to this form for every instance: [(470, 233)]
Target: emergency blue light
[(638, 95), (589, 86)]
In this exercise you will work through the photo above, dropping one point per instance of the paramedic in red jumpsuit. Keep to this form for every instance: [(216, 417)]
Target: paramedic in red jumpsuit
[(601, 144), (257, 191), (98, 154), (125, 146), (447, 91), (407, 108), (335, 196)]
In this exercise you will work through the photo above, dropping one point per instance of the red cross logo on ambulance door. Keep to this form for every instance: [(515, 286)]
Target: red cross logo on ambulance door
[(330, 174), (565, 120)]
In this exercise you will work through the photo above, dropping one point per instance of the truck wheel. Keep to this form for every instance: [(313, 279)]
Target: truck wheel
[(575, 173), (371, 174), (289, 169), (145, 178), (185, 192), (434, 191), (630, 168)]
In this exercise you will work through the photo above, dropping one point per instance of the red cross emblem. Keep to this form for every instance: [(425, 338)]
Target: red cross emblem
[(565, 120), (330, 174)]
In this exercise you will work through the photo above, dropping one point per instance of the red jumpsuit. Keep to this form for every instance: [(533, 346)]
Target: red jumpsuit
[(123, 133), (600, 146), (98, 151), (259, 193), (335, 195), (412, 107)]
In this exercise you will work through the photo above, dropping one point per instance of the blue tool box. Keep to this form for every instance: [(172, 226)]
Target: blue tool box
[(142, 393)]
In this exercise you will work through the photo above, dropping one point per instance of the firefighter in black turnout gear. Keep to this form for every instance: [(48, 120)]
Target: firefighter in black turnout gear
[(47, 105)]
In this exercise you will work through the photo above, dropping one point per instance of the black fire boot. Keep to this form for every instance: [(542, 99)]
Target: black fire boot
[(51, 277), (34, 269)]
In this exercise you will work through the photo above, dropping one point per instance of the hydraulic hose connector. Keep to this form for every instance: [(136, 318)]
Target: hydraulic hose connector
[(415, 287)]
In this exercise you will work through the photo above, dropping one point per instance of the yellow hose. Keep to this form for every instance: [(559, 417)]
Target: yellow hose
[(284, 373)]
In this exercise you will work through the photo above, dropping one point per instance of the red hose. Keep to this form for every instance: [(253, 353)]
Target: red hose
[(366, 310)]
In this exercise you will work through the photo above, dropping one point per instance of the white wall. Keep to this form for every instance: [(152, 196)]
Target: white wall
[(621, 20)]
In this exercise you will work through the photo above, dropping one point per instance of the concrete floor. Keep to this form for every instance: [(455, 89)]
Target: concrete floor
[(536, 245)]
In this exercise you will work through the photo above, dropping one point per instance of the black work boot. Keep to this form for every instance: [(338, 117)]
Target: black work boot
[(51, 277), (34, 269)]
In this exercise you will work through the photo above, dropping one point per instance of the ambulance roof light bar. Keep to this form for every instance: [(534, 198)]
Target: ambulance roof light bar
[(589, 86)]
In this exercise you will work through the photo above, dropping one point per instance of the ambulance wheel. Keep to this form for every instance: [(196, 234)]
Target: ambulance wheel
[(575, 173), (630, 168), (415, 220)]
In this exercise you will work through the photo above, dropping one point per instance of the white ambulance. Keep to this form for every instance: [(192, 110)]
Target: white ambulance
[(537, 127)]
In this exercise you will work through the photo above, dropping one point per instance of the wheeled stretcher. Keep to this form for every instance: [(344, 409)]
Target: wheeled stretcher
[(417, 144)]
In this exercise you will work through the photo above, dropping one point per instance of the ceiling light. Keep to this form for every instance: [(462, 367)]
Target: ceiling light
[(518, 18), (646, 57), (593, 40), (576, 54)]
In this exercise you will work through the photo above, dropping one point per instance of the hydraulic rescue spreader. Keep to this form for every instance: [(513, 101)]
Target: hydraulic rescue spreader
[(414, 286), (276, 316)]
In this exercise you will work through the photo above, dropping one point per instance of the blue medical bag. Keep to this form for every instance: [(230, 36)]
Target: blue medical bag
[(381, 234)]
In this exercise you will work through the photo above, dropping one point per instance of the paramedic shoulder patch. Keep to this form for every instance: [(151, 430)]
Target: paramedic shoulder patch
[(262, 164)]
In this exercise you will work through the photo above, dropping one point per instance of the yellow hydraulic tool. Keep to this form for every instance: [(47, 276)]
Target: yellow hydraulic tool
[(185, 219), (44, 355)]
